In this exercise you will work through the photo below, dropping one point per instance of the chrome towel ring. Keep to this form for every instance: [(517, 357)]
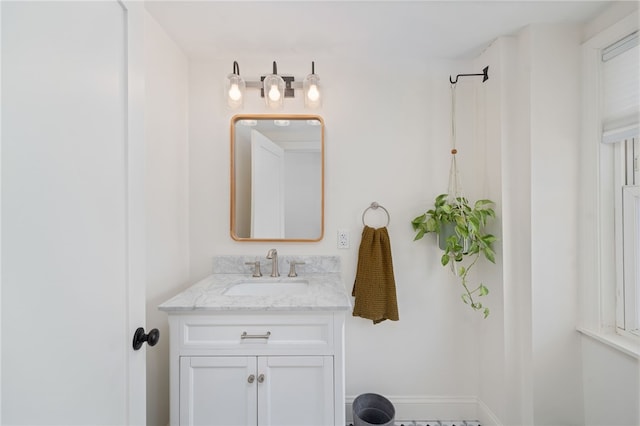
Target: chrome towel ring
[(375, 206)]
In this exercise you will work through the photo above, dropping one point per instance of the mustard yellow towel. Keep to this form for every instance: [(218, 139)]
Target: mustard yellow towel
[(375, 286)]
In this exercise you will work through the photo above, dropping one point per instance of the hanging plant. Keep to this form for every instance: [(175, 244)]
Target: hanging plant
[(460, 227), (469, 241)]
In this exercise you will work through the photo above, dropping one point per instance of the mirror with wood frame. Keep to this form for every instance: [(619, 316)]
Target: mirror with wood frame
[(277, 177)]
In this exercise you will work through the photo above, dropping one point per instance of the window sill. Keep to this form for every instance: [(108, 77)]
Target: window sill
[(625, 344)]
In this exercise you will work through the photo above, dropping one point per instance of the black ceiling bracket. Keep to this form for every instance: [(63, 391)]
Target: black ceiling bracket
[(484, 74)]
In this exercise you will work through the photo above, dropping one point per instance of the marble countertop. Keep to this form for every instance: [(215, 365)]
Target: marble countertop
[(326, 293)]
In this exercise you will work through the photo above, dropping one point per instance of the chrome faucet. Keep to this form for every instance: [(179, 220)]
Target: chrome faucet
[(273, 255)]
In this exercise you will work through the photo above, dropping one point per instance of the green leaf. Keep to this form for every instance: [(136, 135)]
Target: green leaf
[(481, 204), (483, 290), (488, 239), (474, 223), (418, 220), (465, 298), (419, 235), (489, 254), (441, 199), (461, 271), (486, 312), (445, 259)]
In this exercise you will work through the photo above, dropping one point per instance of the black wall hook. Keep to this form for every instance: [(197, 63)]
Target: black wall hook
[(484, 74)]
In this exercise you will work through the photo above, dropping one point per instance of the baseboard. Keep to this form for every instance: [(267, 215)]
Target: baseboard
[(486, 416)]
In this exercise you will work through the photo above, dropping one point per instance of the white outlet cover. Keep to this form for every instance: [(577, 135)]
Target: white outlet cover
[(343, 239)]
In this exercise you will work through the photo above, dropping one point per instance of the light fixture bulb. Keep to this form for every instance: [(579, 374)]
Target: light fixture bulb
[(234, 93), (274, 93), (235, 87), (311, 86), (313, 94)]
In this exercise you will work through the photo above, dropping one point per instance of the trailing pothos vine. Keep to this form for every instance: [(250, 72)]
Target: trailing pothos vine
[(466, 242)]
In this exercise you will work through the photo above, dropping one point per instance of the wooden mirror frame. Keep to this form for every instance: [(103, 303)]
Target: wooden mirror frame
[(234, 120)]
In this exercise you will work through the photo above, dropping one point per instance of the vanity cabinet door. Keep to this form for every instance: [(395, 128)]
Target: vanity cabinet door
[(218, 391), (296, 391)]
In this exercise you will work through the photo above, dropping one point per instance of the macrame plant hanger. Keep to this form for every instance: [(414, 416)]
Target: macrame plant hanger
[(455, 195), (455, 187)]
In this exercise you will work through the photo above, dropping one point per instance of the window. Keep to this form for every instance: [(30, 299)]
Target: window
[(620, 95), (629, 287)]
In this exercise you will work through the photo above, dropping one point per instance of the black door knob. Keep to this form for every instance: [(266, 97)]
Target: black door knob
[(139, 338)]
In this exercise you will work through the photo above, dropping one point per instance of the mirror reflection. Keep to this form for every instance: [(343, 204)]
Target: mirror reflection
[(277, 177)]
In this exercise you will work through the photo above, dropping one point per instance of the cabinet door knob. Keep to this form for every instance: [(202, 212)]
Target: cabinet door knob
[(261, 378), (251, 378)]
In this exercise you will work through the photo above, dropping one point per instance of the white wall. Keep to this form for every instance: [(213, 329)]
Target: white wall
[(489, 128), (518, 140), (611, 385), (527, 119), (555, 123), (538, 369), (389, 145), (166, 119)]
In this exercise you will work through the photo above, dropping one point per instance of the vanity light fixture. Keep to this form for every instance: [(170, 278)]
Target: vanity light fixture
[(281, 123), (273, 88), (311, 87), (235, 88)]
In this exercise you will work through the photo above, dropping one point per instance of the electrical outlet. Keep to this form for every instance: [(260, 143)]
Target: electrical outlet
[(343, 239)]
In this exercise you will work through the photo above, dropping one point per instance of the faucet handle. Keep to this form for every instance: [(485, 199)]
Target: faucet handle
[(256, 268), (292, 268)]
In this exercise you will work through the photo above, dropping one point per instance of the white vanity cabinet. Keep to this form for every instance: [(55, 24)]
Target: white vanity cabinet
[(273, 390), (261, 369)]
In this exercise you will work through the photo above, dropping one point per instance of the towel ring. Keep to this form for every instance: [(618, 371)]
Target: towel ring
[(375, 206)]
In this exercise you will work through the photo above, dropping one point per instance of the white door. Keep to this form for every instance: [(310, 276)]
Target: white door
[(72, 218), (267, 187), (218, 391), (296, 391)]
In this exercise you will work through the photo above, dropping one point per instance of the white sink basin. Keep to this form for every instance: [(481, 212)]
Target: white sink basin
[(267, 288)]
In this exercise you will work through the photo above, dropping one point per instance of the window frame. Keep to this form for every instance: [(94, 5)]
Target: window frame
[(598, 266), (628, 285)]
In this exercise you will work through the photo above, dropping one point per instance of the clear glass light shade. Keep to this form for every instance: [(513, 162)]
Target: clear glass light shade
[(311, 85), (274, 91), (235, 88)]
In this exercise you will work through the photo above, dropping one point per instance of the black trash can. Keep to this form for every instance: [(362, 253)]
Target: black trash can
[(370, 409)]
